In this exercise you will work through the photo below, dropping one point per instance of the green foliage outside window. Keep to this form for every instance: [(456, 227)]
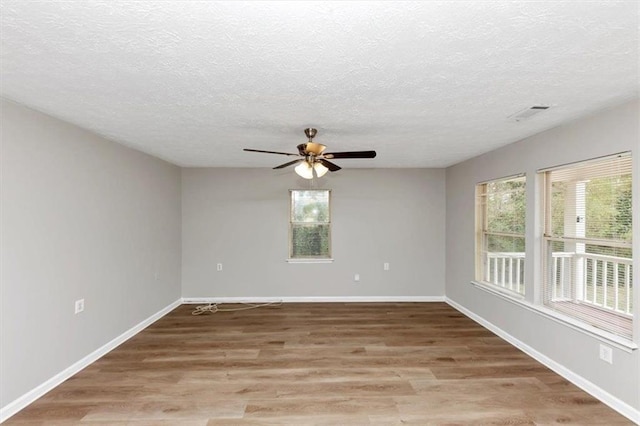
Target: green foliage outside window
[(505, 213), (309, 240), (310, 224), (607, 212)]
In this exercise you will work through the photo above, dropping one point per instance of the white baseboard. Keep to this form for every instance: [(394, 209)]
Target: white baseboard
[(620, 406), (314, 299), (26, 399)]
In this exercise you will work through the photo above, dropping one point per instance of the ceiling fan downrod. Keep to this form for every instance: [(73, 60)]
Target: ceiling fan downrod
[(310, 133)]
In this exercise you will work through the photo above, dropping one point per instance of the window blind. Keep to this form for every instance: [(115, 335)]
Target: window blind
[(588, 254)]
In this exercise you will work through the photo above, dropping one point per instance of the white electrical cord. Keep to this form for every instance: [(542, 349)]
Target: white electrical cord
[(212, 308)]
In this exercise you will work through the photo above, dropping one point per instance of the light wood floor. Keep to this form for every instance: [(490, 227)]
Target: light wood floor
[(348, 364)]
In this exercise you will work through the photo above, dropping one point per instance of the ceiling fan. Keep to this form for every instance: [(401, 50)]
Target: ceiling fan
[(314, 160)]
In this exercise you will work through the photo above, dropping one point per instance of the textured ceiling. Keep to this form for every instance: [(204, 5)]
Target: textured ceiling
[(426, 84)]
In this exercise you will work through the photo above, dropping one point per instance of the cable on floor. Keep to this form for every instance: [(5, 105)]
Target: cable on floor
[(212, 308)]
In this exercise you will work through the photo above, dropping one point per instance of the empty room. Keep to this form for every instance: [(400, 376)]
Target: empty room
[(319, 213)]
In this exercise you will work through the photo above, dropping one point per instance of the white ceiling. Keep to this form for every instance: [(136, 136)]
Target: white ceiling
[(426, 84)]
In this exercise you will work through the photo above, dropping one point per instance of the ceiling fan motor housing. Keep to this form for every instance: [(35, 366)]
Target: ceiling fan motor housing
[(311, 133)]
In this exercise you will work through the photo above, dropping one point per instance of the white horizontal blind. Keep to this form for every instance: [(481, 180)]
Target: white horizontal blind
[(588, 254), (500, 226)]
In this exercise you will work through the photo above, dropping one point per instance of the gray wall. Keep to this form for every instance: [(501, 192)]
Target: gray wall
[(605, 133), (82, 217), (239, 217)]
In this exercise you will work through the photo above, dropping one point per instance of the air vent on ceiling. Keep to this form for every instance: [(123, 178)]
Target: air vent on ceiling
[(527, 113)]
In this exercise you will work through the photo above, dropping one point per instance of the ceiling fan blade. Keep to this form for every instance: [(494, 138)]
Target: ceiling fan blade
[(329, 165), (351, 154), (282, 166), (270, 152)]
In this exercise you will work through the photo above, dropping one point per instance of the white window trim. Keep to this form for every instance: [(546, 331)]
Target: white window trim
[(480, 235), (309, 260), (507, 177), (492, 288)]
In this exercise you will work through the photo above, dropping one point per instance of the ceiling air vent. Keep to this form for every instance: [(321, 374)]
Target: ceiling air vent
[(527, 113)]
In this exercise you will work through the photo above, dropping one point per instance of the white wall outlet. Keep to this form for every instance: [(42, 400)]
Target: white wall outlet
[(386, 266), (356, 277), (606, 354), (79, 306), (219, 267)]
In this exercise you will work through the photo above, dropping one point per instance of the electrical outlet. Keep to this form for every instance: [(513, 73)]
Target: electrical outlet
[(219, 267), (79, 306), (606, 354), (356, 277), (386, 266)]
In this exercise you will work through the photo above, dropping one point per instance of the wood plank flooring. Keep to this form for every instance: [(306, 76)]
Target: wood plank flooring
[(317, 364)]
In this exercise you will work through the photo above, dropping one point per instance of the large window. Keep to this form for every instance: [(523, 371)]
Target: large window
[(588, 271), (310, 225), (500, 220)]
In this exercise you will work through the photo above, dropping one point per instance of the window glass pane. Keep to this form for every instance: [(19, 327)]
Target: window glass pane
[(500, 255), (309, 240), (593, 287), (310, 206), (608, 212), (558, 192), (505, 206), (596, 193), (589, 262), (501, 243), (310, 224), (504, 260), (561, 270), (603, 204), (608, 277)]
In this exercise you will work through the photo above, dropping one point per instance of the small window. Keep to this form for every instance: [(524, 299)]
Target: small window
[(588, 263), (500, 240), (310, 224)]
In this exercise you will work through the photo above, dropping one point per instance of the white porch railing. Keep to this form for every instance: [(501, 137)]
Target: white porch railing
[(506, 270), (562, 273), (595, 279)]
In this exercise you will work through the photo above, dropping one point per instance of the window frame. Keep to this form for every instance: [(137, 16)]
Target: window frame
[(482, 233), (323, 258), (581, 311)]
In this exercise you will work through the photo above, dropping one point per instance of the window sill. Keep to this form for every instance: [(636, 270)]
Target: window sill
[(328, 260), (604, 336), (502, 291)]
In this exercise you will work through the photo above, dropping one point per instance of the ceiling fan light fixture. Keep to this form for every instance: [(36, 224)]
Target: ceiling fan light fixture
[(320, 169), (304, 170)]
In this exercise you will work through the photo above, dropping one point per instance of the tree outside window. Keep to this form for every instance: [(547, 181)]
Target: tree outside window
[(310, 224)]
